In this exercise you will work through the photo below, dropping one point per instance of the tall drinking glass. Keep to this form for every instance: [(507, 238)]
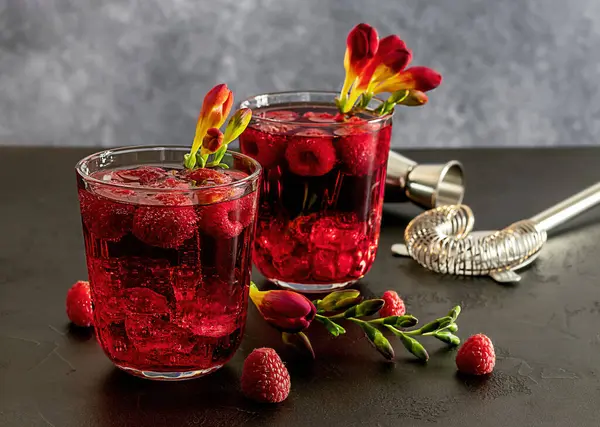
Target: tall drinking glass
[(168, 256), (322, 192)]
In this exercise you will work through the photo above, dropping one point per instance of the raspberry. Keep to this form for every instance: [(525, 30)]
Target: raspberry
[(265, 148), (394, 306), (143, 175), (227, 219), (312, 132), (476, 356), (206, 177), (164, 227), (282, 115), (103, 218), (264, 377), (310, 156), (357, 149), (322, 117), (79, 304)]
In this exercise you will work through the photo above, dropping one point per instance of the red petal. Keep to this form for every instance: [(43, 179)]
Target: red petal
[(393, 53), (362, 44), (423, 78)]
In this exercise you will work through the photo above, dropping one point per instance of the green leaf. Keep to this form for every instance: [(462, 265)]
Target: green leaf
[(189, 161), (411, 344), (452, 327), (405, 321), (338, 300), (332, 327), (381, 343), (218, 156), (453, 314), (435, 325), (447, 337), (398, 96), (201, 159), (298, 340), (365, 308)]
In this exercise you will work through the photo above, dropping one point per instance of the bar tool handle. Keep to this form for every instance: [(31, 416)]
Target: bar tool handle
[(567, 209)]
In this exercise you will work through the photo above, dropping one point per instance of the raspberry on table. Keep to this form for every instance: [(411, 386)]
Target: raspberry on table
[(310, 156), (79, 304), (476, 356), (264, 377), (394, 306)]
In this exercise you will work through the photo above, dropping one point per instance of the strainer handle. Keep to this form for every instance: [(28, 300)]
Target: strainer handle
[(568, 208)]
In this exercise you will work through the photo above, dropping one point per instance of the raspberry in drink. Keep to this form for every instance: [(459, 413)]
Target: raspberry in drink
[(322, 189), (168, 255)]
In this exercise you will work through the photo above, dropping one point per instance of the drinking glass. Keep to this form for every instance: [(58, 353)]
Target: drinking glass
[(322, 189), (168, 260)]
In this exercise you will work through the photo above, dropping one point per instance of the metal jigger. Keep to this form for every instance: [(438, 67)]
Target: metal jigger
[(428, 186)]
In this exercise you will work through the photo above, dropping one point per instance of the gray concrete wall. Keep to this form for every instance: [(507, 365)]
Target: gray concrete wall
[(91, 72)]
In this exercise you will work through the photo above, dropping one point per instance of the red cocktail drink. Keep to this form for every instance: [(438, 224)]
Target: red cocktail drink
[(322, 192), (168, 255)]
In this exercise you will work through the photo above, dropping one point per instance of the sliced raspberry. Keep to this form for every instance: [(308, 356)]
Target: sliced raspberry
[(172, 182), (173, 199), (310, 156), (394, 306), (357, 149), (143, 175), (204, 177), (164, 227), (227, 219), (476, 356), (79, 304), (282, 115), (103, 218), (268, 149), (330, 265), (321, 117), (264, 377), (312, 132)]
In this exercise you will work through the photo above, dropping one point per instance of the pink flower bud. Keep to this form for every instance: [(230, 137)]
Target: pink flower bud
[(285, 310)]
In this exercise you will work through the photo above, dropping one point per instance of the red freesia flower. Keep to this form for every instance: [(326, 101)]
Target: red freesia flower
[(361, 46), (422, 79), (392, 57), (216, 106), (285, 310)]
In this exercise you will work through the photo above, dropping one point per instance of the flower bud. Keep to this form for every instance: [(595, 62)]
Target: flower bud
[(216, 106), (237, 124), (420, 78), (285, 310), (339, 300), (212, 141)]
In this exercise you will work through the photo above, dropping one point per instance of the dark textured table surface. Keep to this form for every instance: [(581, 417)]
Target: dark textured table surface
[(546, 329)]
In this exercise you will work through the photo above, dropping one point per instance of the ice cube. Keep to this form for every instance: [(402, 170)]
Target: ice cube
[(153, 333), (144, 301), (208, 318), (335, 234)]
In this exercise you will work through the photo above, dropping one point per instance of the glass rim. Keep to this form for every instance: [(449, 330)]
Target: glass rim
[(245, 104), (136, 148)]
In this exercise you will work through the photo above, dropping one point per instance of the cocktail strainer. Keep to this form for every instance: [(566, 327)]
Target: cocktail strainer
[(441, 240)]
